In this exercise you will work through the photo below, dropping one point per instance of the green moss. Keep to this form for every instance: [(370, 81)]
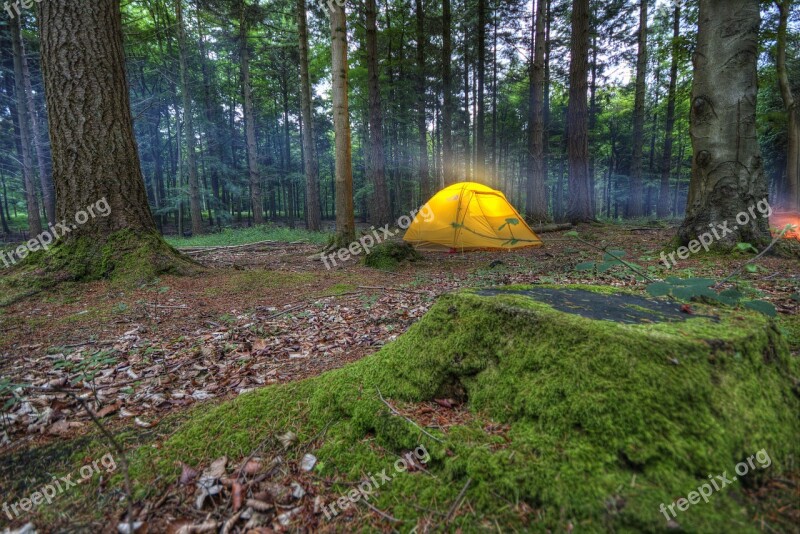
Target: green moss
[(246, 282), (389, 255), (126, 257), (605, 421)]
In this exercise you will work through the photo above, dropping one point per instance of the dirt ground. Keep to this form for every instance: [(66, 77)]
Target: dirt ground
[(271, 314)]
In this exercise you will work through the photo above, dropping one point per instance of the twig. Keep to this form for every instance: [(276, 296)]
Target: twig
[(457, 503), (198, 250), (382, 513), (395, 412), (401, 290), (760, 254)]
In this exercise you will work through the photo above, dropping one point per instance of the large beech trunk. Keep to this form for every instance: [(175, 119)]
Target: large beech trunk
[(91, 129), (345, 222), (727, 173), (792, 200)]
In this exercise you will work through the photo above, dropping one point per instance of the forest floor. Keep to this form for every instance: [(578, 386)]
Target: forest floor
[(146, 357)]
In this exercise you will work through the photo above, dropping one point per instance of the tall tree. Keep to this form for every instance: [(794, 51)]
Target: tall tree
[(536, 208), (480, 119), (345, 221), (377, 164), (195, 206), (579, 208), (45, 180), (727, 173), (23, 119), (635, 200), (249, 114), (793, 121), (422, 124), (666, 162), (447, 89), (310, 161), (91, 136)]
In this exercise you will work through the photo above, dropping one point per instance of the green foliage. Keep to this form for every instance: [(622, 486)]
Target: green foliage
[(688, 289)]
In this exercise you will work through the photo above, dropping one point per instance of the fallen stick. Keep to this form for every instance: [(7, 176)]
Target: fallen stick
[(552, 228)]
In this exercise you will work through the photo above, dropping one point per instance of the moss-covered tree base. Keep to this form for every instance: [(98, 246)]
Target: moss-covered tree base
[(604, 421), (126, 256), (389, 255)]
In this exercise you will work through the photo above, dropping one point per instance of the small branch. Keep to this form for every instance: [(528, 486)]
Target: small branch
[(382, 513), (625, 263), (395, 412), (457, 503), (760, 254), (397, 289)]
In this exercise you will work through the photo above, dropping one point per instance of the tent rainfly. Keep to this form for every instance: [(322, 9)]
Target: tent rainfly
[(470, 216)]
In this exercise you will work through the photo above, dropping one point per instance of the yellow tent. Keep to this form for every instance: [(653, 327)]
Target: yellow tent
[(469, 216)]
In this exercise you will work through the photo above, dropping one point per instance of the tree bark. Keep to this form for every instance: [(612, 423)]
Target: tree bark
[(666, 161), (792, 200), (249, 118), (377, 160), (45, 180), (635, 208), (95, 156), (727, 173), (537, 186), (313, 215), (195, 207), (345, 222), (480, 120), (422, 123), (32, 201), (447, 88), (579, 208)]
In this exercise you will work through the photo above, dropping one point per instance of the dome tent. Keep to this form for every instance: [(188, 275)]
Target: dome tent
[(470, 216)]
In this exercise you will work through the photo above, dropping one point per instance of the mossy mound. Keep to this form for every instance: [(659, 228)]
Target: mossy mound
[(389, 255), (126, 256), (601, 422)]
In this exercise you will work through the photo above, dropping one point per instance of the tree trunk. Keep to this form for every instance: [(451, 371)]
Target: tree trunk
[(345, 223), (377, 161), (195, 206), (792, 200), (727, 173), (480, 121), (579, 208), (537, 186), (635, 199), (32, 201), (313, 215), (666, 161), (249, 119), (93, 146), (447, 88), (422, 123), (45, 180)]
